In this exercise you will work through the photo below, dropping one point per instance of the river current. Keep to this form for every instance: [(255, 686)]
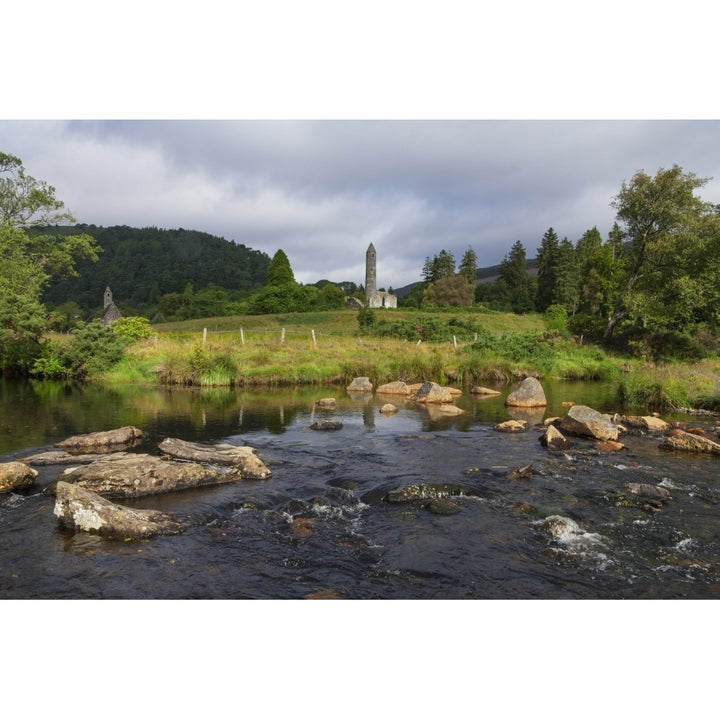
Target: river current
[(323, 525)]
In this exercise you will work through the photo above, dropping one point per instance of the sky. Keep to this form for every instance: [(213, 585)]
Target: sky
[(323, 190)]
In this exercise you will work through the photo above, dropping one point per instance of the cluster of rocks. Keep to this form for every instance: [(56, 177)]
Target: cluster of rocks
[(101, 468)]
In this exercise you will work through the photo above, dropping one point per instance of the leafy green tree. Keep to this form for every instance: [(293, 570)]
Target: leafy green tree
[(30, 259), (670, 265), (279, 270)]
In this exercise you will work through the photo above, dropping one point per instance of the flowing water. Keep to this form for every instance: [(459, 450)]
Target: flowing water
[(323, 525)]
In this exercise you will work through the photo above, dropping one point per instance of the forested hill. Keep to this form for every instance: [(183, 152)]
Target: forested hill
[(142, 264)]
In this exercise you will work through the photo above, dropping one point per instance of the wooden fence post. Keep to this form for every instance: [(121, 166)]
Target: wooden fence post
[(204, 335)]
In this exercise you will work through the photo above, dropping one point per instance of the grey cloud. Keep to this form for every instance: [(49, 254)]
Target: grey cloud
[(322, 190)]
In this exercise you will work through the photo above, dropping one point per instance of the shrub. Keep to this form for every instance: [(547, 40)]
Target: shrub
[(134, 328)]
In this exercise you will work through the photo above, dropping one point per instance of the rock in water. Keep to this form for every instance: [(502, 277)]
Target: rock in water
[(120, 437), (529, 393), (681, 440), (431, 392), (583, 420), (80, 509), (360, 385), (553, 439), (16, 475), (127, 474), (241, 457)]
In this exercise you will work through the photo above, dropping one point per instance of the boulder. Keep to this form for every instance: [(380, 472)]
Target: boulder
[(609, 446), (681, 440), (394, 388), (81, 509), (15, 476), (360, 384), (583, 420), (59, 457), (652, 493), (430, 392), (328, 403), (480, 390), (388, 409), (125, 474), (121, 437), (553, 439), (511, 426), (529, 393), (241, 457), (646, 423)]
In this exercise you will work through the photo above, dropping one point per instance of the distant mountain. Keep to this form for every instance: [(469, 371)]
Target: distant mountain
[(141, 264)]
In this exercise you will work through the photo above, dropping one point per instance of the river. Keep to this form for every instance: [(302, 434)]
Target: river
[(321, 526)]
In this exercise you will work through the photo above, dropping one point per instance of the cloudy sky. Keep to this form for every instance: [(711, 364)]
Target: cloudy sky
[(323, 190)]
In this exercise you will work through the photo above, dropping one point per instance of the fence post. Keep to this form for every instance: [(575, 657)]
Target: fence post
[(282, 336), (204, 335), (242, 336), (454, 342), (313, 337)]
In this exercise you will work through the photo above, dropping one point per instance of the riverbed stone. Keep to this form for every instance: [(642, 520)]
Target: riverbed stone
[(529, 393), (388, 409), (681, 440), (328, 403), (15, 476), (126, 474), (511, 426), (326, 425), (431, 392), (484, 391), (360, 384), (553, 439), (585, 421), (646, 423), (59, 457), (241, 457), (82, 510), (394, 388), (120, 437)]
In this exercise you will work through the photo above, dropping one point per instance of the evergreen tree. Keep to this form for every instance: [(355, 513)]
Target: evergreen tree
[(468, 266), (513, 271), (547, 265), (279, 270)]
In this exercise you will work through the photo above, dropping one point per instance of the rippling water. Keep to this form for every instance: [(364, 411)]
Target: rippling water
[(322, 526)]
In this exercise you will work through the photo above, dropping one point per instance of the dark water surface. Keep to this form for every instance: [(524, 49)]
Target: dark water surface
[(322, 525)]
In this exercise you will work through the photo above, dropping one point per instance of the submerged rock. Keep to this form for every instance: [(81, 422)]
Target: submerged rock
[(583, 420), (529, 393), (326, 425), (241, 457), (328, 403), (124, 436), (443, 506), (480, 390), (423, 491), (15, 476), (646, 423), (81, 509), (59, 457), (125, 474), (681, 440), (511, 426), (388, 409)]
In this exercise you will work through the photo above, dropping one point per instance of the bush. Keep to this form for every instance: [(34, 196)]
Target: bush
[(133, 328), (93, 348)]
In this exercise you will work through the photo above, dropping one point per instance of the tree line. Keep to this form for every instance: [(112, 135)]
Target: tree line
[(655, 278)]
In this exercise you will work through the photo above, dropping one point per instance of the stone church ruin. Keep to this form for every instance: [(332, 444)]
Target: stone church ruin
[(110, 311)]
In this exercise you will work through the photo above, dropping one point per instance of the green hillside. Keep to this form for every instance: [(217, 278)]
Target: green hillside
[(142, 264)]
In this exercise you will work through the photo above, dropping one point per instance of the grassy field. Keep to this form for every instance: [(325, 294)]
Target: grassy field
[(329, 348)]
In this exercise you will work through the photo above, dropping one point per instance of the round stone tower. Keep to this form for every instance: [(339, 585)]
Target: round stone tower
[(370, 271)]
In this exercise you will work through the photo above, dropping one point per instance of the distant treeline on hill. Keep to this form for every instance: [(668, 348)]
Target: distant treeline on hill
[(143, 264)]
